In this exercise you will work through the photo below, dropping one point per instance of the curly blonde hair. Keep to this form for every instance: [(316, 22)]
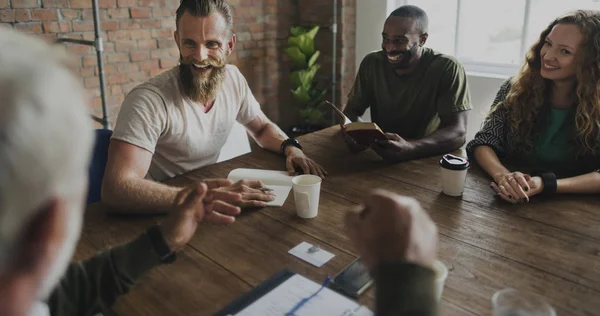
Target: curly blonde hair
[(525, 101)]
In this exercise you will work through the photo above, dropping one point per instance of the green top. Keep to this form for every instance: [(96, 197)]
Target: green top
[(553, 146), (410, 105), (92, 286)]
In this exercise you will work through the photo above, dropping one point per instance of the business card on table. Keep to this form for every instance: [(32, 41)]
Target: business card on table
[(313, 255)]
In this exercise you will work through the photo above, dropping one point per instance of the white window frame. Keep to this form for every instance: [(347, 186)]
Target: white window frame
[(494, 70)]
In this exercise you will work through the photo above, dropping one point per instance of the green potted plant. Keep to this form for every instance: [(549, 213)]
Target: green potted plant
[(305, 93)]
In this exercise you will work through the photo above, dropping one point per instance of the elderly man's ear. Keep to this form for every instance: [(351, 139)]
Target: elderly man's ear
[(423, 38), (42, 240)]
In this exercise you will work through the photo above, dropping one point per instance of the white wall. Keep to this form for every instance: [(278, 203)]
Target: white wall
[(483, 90), (370, 16)]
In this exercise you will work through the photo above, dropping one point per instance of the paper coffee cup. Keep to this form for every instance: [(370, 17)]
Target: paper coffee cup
[(454, 172), (307, 188), (441, 273)]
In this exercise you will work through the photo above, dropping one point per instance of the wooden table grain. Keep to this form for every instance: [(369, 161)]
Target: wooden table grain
[(550, 246)]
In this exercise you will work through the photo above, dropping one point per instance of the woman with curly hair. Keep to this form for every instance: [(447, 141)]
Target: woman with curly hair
[(548, 125)]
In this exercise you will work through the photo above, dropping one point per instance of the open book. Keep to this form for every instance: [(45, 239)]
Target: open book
[(278, 181), (364, 133)]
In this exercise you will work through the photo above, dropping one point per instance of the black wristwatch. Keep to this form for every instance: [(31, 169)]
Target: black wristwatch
[(160, 246), (289, 142), (549, 180)]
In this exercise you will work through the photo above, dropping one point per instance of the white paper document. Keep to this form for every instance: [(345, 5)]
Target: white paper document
[(278, 181), (317, 258), (284, 298)]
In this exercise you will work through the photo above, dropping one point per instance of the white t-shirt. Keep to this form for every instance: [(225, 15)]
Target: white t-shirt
[(157, 117)]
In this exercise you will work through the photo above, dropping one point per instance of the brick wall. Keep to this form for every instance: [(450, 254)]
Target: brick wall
[(139, 43), (347, 40), (320, 12), (137, 34)]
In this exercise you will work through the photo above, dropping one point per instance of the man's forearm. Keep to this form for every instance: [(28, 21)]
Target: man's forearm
[(270, 137), (442, 141), (139, 196)]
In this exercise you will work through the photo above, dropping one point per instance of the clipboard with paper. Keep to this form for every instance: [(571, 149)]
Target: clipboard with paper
[(281, 293)]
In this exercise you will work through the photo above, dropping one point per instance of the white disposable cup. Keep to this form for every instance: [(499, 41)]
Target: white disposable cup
[(307, 188), (511, 302), (454, 173), (453, 181), (441, 273)]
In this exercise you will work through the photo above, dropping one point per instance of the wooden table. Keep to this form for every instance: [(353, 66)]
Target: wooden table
[(550, 246)]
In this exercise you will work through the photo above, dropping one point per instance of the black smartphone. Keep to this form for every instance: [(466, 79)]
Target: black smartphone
[(354, 279)]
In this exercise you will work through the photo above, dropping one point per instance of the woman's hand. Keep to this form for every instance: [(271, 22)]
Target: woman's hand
[(514, 187), (536, 186)]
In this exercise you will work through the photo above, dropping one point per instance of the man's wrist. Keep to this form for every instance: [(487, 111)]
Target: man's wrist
[(292, 151), (173, 244), (290, 142), (411, 151), (163, 246)]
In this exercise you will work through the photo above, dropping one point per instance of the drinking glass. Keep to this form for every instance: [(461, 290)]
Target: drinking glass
[(511, 302)]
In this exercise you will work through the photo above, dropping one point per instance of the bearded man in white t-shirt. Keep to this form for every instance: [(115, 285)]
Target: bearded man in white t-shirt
[(179, 120)]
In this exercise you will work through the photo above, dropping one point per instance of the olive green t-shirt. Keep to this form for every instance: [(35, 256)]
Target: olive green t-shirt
[(410, 105)]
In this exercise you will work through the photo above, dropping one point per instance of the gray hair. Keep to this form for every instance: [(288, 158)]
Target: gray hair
[(46, 136)]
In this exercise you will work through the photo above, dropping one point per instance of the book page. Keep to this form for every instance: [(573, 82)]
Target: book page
[(278, 181), (289, 293), (343, 117)]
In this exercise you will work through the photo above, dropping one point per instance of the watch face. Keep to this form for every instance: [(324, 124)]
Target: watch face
[(289, 142)]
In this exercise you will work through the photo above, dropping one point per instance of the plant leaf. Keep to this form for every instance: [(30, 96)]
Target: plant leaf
[(297, 30), (313, 32), (303, 42), (295, 78), (316, 95), (297, 56), (305, 77), (301, 94), (311, 115), (313, 58)]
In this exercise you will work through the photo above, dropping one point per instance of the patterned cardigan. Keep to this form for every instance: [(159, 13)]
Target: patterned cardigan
[(497, 134)]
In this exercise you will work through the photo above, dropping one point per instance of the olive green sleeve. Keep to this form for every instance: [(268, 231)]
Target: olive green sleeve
[(454, 93), (93, 285), (403, 288)]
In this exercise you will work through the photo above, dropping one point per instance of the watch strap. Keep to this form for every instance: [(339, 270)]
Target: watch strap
[(550, 183), (289, 142), (160, 246)]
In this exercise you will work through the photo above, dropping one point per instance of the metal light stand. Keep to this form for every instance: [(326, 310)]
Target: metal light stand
[(98, 44), (334, 60)]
